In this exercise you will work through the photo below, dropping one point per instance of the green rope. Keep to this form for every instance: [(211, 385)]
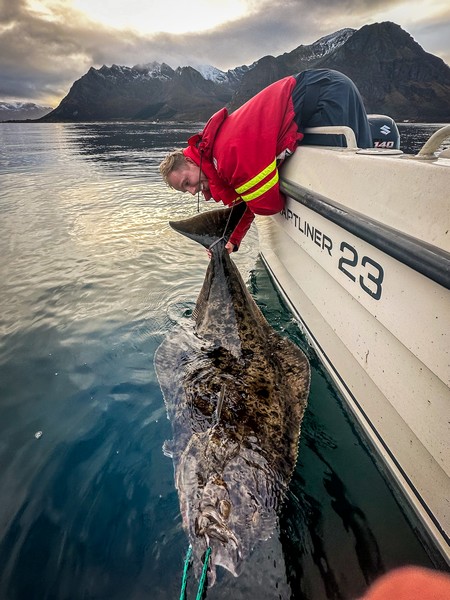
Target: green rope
[(201, 584), (203, 577), (185, 572)]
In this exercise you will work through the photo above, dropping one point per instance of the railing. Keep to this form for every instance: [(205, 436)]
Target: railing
[(347, 132)]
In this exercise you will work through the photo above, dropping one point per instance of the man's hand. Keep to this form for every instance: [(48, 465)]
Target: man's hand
[(228, 246)]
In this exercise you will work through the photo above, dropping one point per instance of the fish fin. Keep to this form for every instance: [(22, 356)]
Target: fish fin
[(297, 371), (169, 361), (206, 228)]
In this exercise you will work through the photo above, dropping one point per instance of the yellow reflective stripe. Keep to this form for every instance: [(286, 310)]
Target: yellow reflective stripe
[(246, 186), (262, 190)]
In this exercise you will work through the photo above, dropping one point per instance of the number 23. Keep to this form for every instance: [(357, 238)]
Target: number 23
[(371, 280)]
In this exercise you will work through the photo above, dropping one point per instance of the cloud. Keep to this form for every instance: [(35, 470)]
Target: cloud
[(433, 35), (43, 53)]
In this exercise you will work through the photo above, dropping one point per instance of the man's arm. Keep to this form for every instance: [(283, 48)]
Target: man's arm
[(240, 230)]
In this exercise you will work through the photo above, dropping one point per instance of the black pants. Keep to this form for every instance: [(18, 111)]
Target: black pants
[(326, 97)]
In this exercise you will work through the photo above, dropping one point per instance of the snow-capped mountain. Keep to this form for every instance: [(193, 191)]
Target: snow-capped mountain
[(22, 110), (211, 73), (154, 70), (162, 71), (409, 83), (329, 43), (232, 76)]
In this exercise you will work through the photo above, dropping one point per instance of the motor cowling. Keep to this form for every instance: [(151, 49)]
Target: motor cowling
[(384, 132)]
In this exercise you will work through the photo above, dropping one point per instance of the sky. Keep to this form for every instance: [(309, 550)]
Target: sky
[(46, 45)]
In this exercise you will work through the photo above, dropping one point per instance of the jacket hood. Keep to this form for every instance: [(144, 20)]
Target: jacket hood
[(204, 141)]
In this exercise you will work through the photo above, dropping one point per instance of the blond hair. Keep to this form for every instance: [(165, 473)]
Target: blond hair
[(173, 161)]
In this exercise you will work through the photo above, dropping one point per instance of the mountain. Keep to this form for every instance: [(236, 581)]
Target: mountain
[(150, 91), (393, 73), (22, 110), (269, 69)]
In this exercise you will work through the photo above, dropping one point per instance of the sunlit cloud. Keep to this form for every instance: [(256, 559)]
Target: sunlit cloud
[(170, 16)]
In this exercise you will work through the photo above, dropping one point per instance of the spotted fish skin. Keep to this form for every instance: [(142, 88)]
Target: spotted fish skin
[(235, 392)]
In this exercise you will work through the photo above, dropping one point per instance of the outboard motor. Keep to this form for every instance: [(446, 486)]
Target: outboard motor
[(384, 132)]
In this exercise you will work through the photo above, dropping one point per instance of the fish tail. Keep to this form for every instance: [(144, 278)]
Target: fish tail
[(206, 228)]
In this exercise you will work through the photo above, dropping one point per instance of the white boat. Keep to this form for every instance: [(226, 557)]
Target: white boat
[(361, 256)]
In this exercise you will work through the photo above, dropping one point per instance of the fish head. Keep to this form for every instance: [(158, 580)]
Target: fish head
[(207, 507), (213, 529)]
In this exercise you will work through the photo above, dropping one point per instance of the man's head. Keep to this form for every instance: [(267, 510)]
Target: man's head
[(182, 174)]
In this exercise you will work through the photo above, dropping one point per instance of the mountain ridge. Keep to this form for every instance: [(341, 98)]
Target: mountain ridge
[(393, 73), (16, 109)]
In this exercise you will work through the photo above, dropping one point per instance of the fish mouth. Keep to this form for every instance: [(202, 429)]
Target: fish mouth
[(226, 550), (211, 525)]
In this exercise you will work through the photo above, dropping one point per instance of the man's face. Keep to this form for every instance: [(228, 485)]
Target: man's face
[(188, 178)]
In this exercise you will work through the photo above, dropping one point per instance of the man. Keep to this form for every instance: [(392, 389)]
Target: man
[(236, 157)]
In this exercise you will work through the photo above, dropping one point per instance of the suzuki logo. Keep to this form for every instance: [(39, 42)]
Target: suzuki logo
[(385, 130)]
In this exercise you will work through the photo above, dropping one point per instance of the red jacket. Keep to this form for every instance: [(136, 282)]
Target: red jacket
[(238, 152)]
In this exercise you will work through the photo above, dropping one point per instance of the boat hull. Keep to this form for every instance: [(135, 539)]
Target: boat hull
[(370, 290)]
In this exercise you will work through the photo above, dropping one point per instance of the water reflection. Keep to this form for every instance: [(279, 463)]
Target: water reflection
[(414, 135), (124, 142), (92, 279)]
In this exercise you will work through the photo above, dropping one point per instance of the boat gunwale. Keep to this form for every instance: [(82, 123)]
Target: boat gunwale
[(429, 260), (372, 434)]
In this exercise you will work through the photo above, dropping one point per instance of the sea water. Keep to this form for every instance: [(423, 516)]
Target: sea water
[(92, 278)]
